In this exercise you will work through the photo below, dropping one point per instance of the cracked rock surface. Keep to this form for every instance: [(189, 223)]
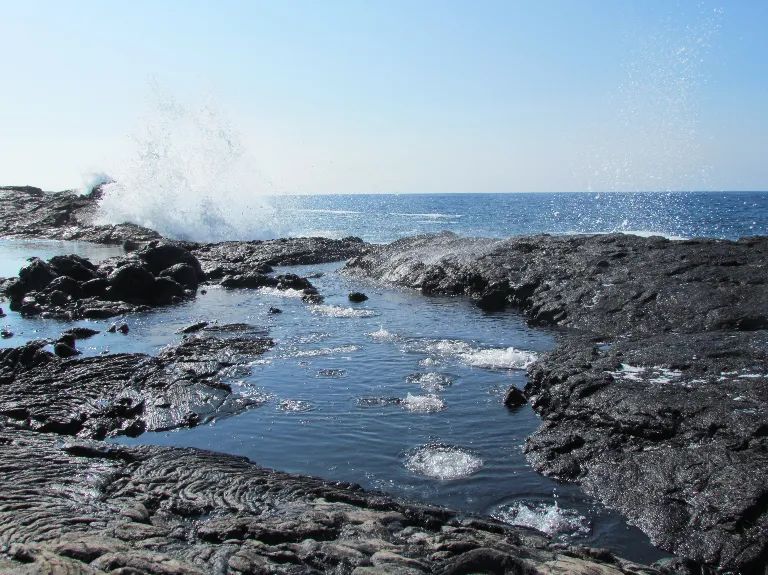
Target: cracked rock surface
[(656, 399), (162, 510), (124, 393)]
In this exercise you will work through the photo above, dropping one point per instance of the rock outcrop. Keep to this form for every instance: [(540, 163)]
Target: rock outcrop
[(656, 399), (62, 216), (71, 287), (86, 507), (126, 393)]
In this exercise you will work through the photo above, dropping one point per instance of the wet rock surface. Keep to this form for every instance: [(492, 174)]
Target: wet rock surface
[(72, 287), (162, 510), (242, 259), (62, 216), (656, 400), (124, 394)]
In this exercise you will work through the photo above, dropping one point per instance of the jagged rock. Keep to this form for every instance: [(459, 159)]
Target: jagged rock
[(116, 394), (275, 310), (89, 507), (6, 333), (61, 216), (357, 296)]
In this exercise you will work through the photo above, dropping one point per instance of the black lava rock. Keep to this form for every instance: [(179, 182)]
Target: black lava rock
[(357, 296)]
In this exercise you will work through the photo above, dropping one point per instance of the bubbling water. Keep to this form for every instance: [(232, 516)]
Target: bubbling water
[(442, 462)]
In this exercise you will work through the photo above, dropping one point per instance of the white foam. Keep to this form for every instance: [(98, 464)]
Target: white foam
[(431, 382), (508, 358), (274, 292), (442, 462), (326, 211), (337, 311), (547, 518), (432, 215), (295, 405), (382, 334), (492, 358), (423, 403), (324, 351), (654, 374)]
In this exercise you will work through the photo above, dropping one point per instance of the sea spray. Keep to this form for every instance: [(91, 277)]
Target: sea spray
[(190, 178)]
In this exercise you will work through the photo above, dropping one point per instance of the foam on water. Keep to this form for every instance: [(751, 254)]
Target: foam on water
[(423, 403), (275, 292), (295, 405), (491, 358), (443, 462), (382, 334), (323, 351), (431, 382), (547, 518), (337, 311)]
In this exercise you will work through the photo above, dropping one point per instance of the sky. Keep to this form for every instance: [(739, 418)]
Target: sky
[(390, 96)]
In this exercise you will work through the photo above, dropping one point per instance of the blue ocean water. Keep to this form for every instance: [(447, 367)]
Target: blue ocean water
[(403, 393), (383, 218)]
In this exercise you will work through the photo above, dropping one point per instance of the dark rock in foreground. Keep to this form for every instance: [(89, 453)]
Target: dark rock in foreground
[(665, 420), (126, 393), (86, 507)]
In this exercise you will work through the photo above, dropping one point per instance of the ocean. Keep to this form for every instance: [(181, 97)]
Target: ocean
[(384, 218), (404, 392)]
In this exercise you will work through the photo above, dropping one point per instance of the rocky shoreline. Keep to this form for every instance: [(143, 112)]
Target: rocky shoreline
[(656, 398), (654, 401)]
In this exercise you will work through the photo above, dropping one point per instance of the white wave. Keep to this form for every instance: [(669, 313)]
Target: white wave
[(442, 462), (324, 211), (423, 403), (433, 216), (337, 311), (547, 518), (274, 292)]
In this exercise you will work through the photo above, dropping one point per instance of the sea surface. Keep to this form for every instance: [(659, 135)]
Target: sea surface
[(384, 218), (403, 392)]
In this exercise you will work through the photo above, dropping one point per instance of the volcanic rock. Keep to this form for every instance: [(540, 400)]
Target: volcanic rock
[(117, 393), (84, 506)]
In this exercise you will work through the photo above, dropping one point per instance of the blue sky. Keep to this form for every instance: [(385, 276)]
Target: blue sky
[(422, 96)]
